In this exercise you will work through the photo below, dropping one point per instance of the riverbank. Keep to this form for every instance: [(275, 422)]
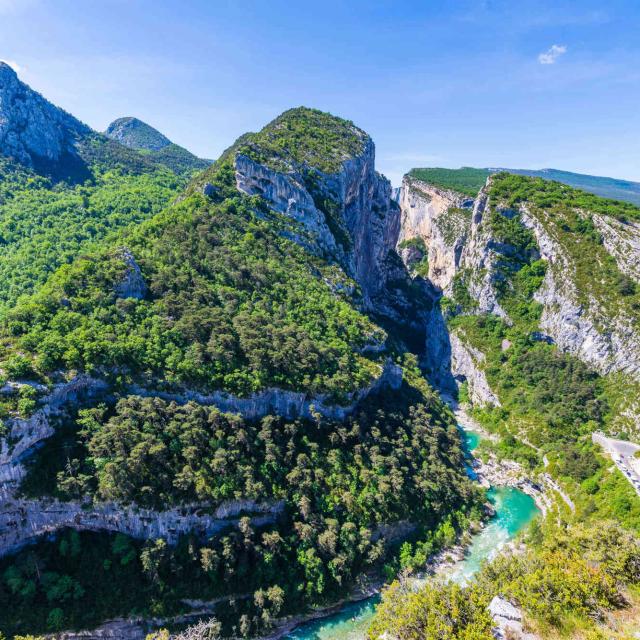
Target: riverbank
[(502, 473)]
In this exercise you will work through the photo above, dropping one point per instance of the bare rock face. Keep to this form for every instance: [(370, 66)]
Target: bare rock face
[(466, 365), (282, 402), (608, 343), (32, 130), (23, 521), (456, 237), (508, 621), (132, 284), (480, 257), (26, 433), (622, 241), (439, 218), (361, 229)]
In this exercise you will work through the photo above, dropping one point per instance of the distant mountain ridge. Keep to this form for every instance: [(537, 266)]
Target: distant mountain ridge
[(139, 136), (41, 137), (603, 186), (33, 131), (469, 180)]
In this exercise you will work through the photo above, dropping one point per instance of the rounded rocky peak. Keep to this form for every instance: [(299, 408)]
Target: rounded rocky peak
[(136, 134), (307, 137)]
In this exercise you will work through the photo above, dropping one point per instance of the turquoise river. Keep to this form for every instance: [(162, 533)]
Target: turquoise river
[(514, 511)]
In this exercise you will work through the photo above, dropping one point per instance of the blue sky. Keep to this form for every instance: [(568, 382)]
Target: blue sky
[(515, 83)]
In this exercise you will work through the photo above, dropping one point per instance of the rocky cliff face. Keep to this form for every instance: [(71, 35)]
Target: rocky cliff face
[(348, 216), (282, 402), (480, 257), (575, 318), (441, 219), (24, 434), (451, 226), (32, 130), (23, 521), (587, 330), (466, 366)]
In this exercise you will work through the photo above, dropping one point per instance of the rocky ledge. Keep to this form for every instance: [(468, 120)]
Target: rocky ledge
[(23, 521)]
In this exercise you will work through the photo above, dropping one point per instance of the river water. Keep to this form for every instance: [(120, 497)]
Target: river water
[(514, 511)]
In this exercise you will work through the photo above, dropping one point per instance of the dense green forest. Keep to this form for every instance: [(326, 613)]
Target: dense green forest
[(398, 458), (230, 305), (45, 222)]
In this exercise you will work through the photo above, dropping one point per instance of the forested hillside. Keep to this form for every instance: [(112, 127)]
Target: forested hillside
[(64, 187), (332, 451)]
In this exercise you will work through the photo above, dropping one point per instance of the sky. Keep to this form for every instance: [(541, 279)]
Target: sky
[(488, 83)]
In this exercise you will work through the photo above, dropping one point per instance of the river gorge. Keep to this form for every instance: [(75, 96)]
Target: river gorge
[(514, 510)]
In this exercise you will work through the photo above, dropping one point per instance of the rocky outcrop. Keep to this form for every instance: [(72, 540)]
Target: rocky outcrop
[(457, 239), (358, 224), (132, 284), (441, 219), (282, 402), (120, 629), (622, 241), (286, 193), (479, 258), (23, 521), (32, 130), (508, 621), (26, 433), (466, 366), (608, 343)]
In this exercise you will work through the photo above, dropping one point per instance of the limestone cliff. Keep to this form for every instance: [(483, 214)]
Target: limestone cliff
[(576, 319), (442, 220), (32, 130), (347, 215), (466, 366)]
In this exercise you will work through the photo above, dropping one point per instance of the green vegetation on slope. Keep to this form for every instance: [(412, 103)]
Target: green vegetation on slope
[(566, 582), (469, 180), (397, 459), (551, 402), (230, 305), (45, 225), (304, 138), (567, 216), (466, 180)]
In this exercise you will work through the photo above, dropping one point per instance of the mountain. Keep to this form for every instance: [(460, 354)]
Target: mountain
[(36, 133), (64, 186), (540, 292), (468, 180), (135, 134), (227, 398), (612, 188), (541, 258)]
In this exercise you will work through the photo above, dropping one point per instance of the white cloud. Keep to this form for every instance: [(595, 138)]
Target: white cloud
[(552, 54), (13, 64)]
